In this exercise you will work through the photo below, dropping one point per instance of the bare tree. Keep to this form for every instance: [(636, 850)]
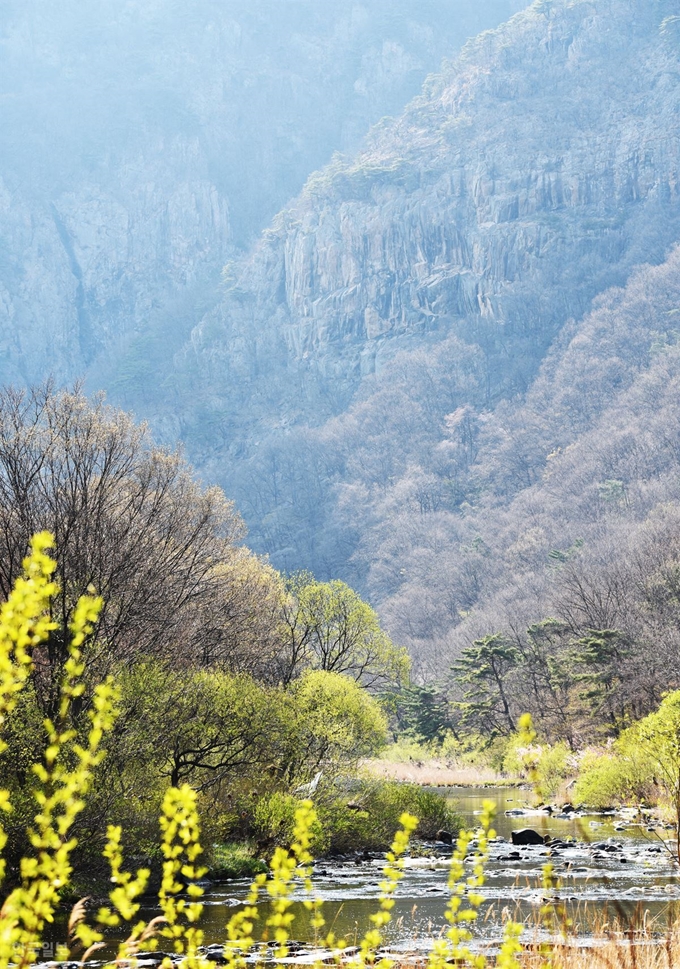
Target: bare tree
[(129, 520)]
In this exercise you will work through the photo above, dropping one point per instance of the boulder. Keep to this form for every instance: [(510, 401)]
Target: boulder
[(527, 836)]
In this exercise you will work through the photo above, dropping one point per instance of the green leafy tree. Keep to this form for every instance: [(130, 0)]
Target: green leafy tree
[(600, 657), (644, 761), (548, 677), (196, 726), (422, 712), (327, 626), (658, 736), (332, 723)]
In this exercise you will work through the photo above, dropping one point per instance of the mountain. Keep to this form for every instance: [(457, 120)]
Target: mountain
[(442, 366), (351, 388), (144, 144)]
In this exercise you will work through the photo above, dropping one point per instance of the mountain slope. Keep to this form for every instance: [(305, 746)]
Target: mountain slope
[(430, 273), (577, 489)]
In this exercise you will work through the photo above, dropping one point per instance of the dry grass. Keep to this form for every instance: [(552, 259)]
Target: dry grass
[(622, 953), (614, 941), (433, 773), (635, 952)]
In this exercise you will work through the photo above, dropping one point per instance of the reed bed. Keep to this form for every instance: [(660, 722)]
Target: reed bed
[(620, 943), (433, 773)]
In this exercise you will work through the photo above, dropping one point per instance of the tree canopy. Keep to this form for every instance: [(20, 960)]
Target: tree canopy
[(327, 626)]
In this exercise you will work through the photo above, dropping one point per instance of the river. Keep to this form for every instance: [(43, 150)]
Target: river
[(607, 872)]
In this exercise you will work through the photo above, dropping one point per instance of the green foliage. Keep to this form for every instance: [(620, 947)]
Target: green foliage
[(274, 817), (553, 768), (202, 725), (327, 626), (385, 801), (232, 738), (64, 774), (234, 860), (365, 822), (405, 749), (642, 764), (332, 722), (657, 737), (609, 779), (421, 712), (235, 740), (600, 656), (548, 765)]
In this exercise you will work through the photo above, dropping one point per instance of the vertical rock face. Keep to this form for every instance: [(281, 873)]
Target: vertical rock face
[(90, 267), (533, 173), (142, 144)]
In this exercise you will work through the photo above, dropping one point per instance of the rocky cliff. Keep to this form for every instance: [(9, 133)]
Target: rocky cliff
[(534, 172), (89, 268), (143, 144)]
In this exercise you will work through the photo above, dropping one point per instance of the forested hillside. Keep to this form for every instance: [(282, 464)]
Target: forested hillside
[(368, 385)]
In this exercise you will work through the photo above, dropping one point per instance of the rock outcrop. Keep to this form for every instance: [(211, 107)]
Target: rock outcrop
[(532, 174), (143, 144), (88, 269), (529, 176)]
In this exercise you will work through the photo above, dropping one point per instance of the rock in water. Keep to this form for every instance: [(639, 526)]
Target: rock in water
[(527, 836)]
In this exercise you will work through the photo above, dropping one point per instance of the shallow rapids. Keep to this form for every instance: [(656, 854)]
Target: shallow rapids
[(608, 867)]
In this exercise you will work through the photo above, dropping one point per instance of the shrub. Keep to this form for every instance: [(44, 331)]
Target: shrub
[(235, 860), (385, 801), (274, 818), (553, 768), (367, 822), (406, 749), (375, 807), (613, 778), (546, 765)]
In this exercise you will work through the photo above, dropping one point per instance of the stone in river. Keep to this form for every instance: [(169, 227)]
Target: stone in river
[(527, 836)]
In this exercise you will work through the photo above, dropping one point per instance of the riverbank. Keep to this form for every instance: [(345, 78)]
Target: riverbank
[(607, 865)]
